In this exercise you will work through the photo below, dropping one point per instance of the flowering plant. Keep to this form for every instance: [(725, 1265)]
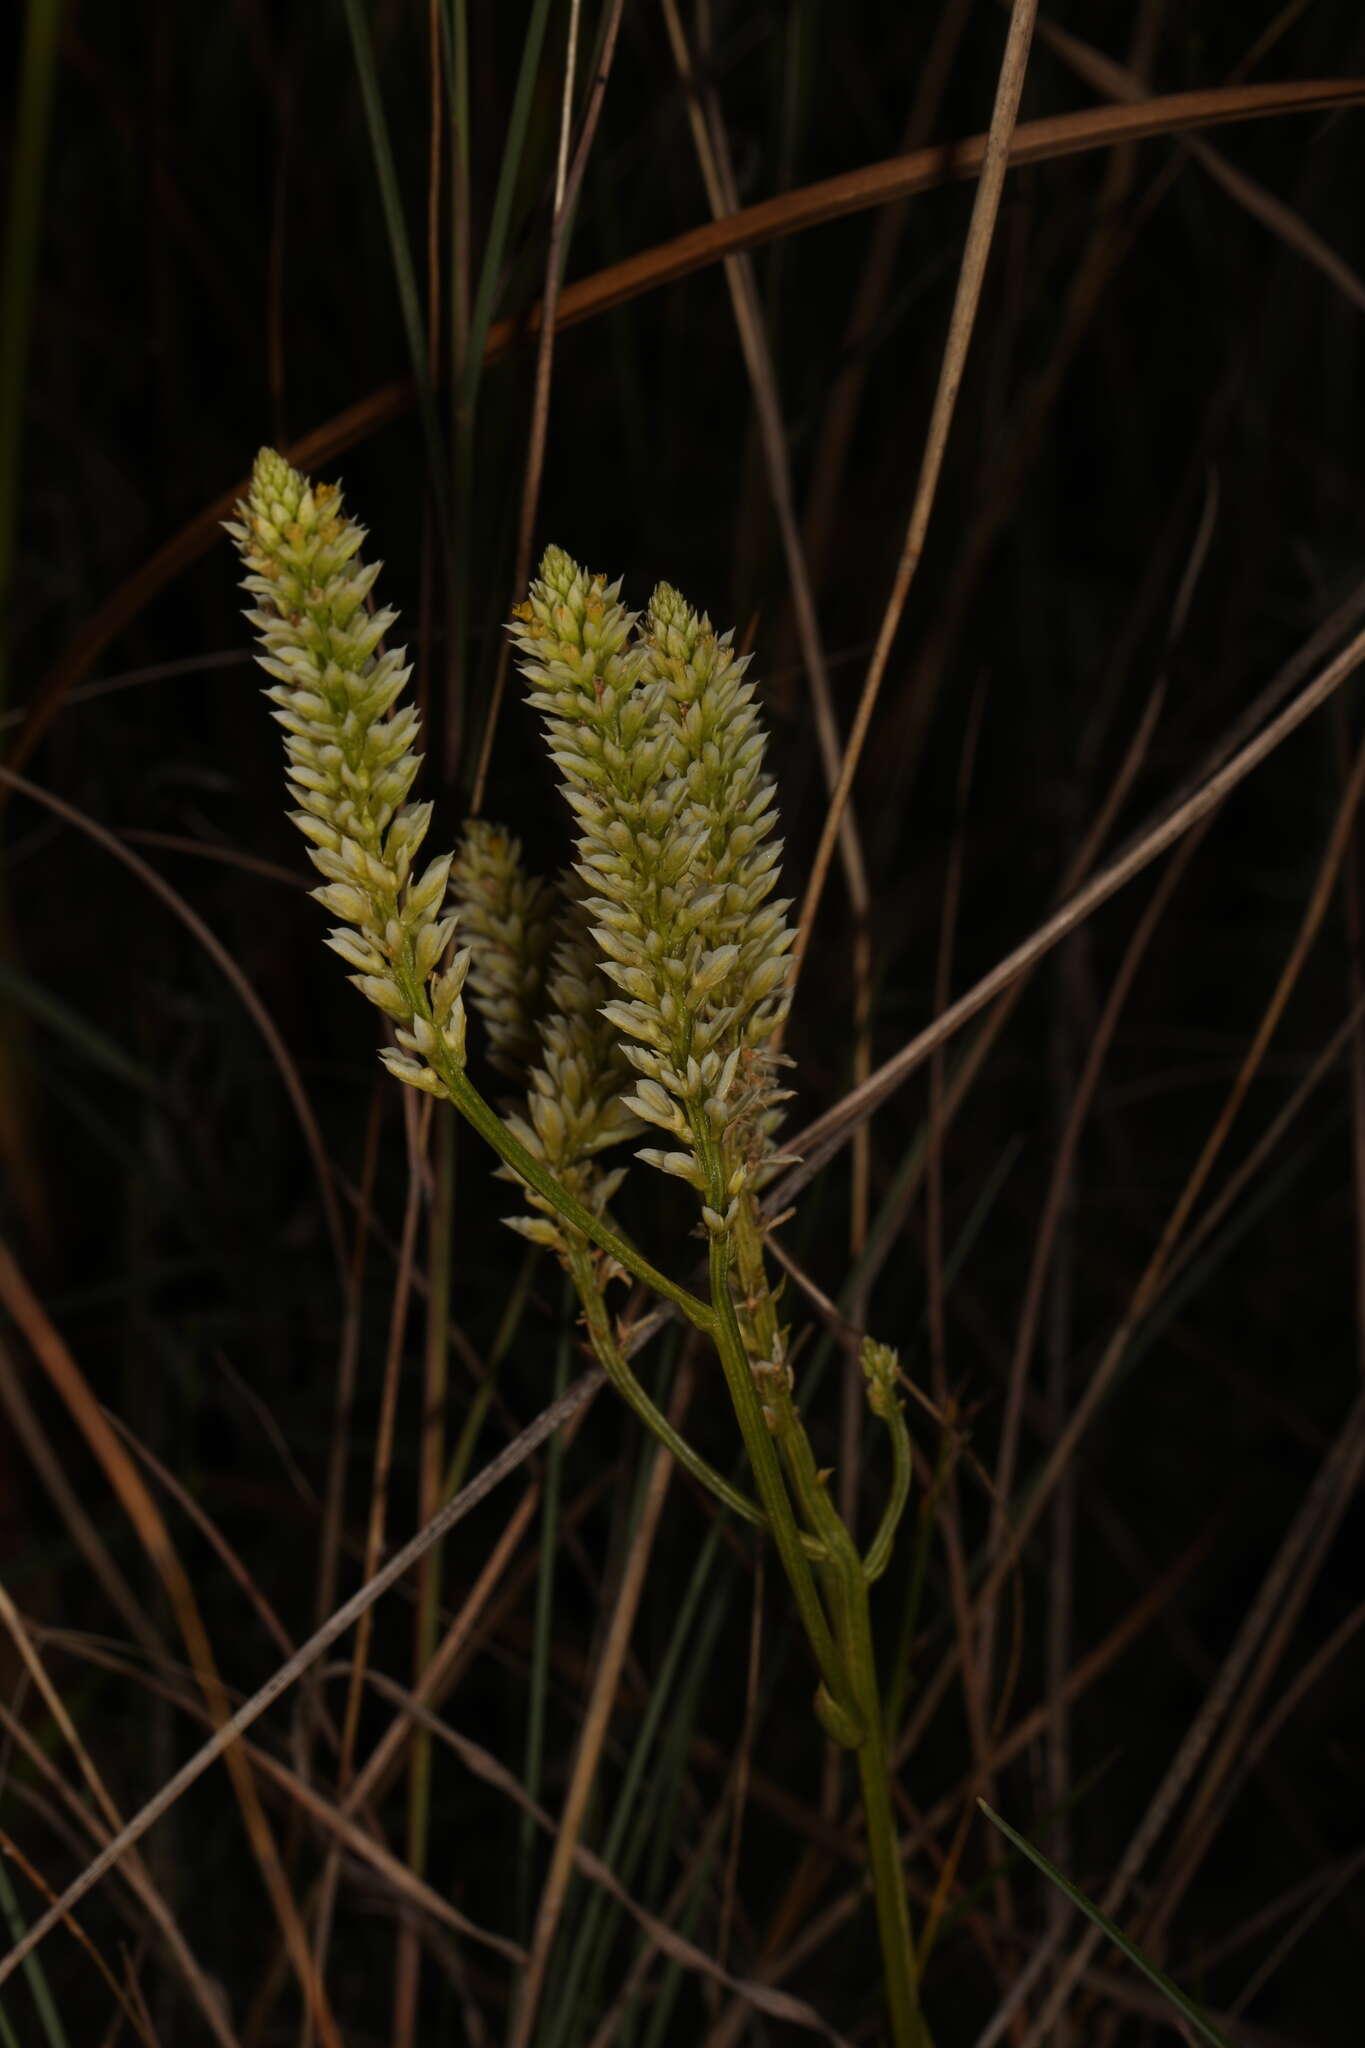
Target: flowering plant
[(647, 988)]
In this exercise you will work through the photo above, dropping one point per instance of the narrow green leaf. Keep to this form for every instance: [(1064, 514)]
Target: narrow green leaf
[(495, 247), (32, 122), (58, 1017), (1186, 2007), (54, 2033), (405, 277), (543, 1628)]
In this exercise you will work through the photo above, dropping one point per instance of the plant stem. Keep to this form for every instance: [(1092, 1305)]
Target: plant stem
[(772, 1488), (491, 1127), (846, 1586), (909, 2028), (847, 1665), (612, 1359), (879, 1550)]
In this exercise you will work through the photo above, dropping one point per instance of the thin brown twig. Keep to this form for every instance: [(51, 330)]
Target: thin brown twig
[(974, 1688), (933, 1692), (1100, 1040), (442, 1668), (879, 270), (327, 1816)]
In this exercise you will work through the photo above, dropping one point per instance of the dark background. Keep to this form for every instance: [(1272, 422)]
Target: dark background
[(1152, 485)]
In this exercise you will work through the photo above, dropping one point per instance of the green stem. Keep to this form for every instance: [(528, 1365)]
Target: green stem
[(847, 1589), (772, 1490), (611, 1358), (491, 1127), (846, 1586), (908, 2026), (879, 1550), (847, 1666)]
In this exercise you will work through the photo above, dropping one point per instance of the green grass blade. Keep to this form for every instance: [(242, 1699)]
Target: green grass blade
[(33, 119), (53, 2031), (676, 1689), (500, 220), (405, 277), (93, 1045), (539, 1683), (1187, 2009)]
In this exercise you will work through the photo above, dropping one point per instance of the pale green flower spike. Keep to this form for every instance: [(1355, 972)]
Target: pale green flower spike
[(544, 1016), (661, 751), (574, 1108), (508, 918), (722, 746), (351, 760)]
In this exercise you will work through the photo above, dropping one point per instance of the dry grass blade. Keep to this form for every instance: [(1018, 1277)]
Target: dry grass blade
[(568, 187), (218, 953), (48, 1464), (820, 1140), (591, 1738), (708, 140), (756, 1996), (385, 1431), (1044, 141), (1322, 1508), (1154, 1275), (831, 199), (307, 1655), (442, 1667), (1107, 77), (331, 1822), (135, 1870), (142, 1511), (211, 1533), (1049, 1221), (990, 185), (11, 1848)]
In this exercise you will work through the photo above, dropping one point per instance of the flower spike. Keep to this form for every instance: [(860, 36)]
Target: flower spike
[(352, 760)]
